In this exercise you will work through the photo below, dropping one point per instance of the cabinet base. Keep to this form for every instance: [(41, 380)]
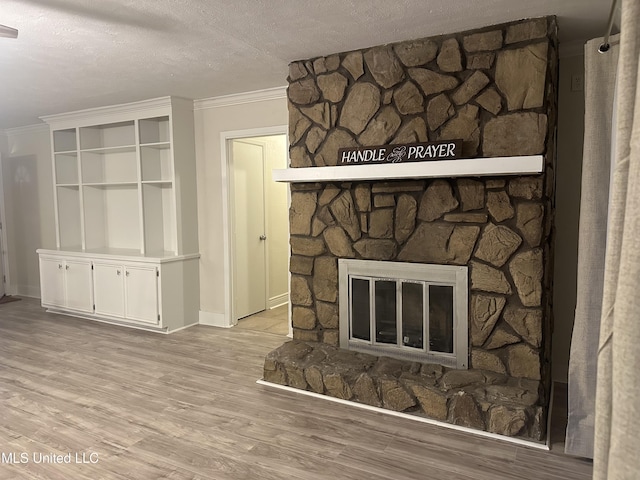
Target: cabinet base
[(113, 321)]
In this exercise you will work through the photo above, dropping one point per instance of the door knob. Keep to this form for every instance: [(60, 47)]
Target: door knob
[(263, 237)]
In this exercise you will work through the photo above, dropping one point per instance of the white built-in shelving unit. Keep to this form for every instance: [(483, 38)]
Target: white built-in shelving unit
[(125, 201)]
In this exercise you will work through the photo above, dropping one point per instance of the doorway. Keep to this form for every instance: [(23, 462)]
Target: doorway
[(4, 265), (259, 226)]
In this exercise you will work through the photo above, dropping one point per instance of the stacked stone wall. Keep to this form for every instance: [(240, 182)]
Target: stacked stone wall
[(495, 226), (493, 88)]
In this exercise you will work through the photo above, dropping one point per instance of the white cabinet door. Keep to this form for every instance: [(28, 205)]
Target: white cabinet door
[(141, 292), (52, 281), (78, 289), (112, 289), (108, 283)]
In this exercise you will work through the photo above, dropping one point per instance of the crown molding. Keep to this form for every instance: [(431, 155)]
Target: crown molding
[(275, 93), (113, 113), (26, 130)]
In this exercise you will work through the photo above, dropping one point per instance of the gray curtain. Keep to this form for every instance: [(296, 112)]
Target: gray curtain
[(600, 76), (616, 453)]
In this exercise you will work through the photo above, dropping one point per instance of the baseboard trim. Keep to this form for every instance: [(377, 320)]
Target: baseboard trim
[(278, 301), (182, 328), (26, 291), (494, 436), (110, 321), (212, 319)]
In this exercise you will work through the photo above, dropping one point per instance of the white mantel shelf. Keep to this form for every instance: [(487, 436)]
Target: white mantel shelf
[(467, 167)]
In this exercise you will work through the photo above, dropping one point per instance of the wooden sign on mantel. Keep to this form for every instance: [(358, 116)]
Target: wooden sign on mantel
[(408, 152)]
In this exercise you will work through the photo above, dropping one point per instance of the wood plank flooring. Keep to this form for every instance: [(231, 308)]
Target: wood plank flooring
[(275, 320), (186, 406)]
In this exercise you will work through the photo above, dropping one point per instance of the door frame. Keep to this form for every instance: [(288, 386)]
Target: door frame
[(228, 249), (4, 246)]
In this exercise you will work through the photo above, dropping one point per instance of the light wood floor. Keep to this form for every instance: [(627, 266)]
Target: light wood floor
[(275, 320), (186, 406)]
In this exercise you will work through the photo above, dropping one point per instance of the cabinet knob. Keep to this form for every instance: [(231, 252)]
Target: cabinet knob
[(60, 266), (66, 267), (118, 272), (127, 273), (263, 237)]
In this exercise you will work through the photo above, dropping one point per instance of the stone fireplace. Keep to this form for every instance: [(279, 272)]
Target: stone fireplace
[(495, 89)]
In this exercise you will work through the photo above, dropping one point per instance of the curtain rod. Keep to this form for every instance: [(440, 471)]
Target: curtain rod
[(605, 45)]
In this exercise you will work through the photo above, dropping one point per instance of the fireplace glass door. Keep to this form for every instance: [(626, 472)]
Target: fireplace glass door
[(399, 315), (406, 316), (413, 315), (360, 326), (441, 318), (385, 312)]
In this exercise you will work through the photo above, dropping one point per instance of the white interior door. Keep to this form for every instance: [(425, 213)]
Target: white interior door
[(250, 283)]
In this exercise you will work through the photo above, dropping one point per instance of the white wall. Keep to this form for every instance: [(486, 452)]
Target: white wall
[(568, 180), (28, 196), (211, 119)]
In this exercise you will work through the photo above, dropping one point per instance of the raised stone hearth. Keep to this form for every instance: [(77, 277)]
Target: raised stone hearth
[(470, 398), (495, 89)]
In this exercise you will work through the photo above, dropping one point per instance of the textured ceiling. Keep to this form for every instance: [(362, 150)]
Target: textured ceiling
[(76, 54)]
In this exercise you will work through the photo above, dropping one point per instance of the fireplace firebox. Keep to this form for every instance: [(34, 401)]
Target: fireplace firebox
[(409, 311)]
